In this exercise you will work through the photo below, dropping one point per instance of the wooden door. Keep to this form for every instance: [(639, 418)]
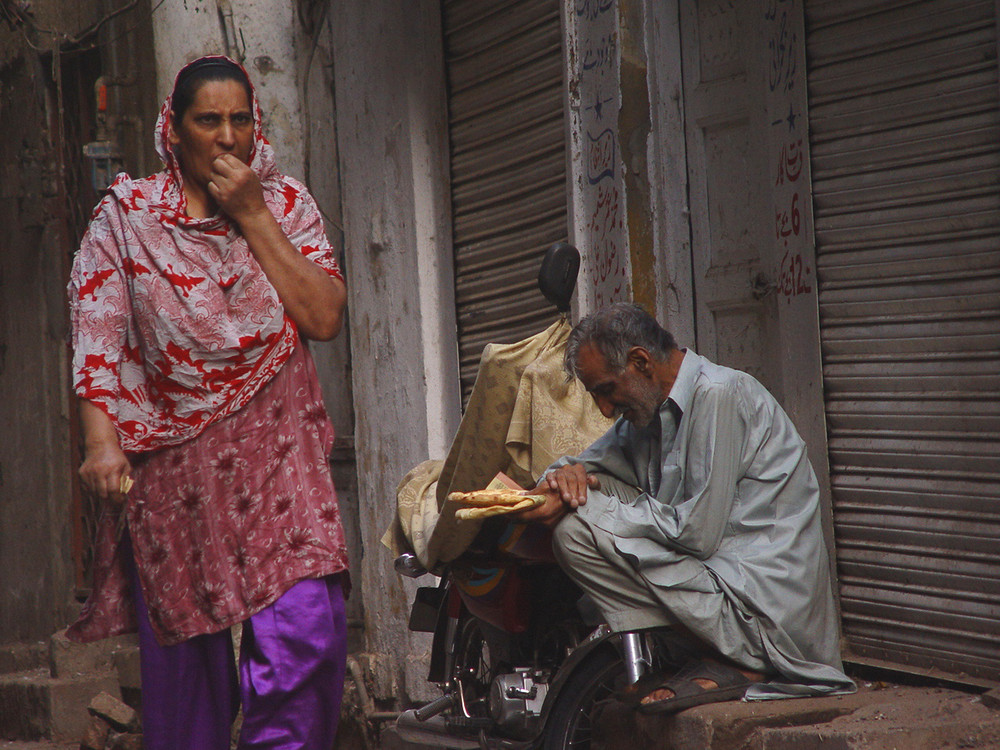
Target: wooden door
[(726, 136)]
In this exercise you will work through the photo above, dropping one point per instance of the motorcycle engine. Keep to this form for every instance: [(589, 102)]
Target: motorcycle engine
[(516, 702)]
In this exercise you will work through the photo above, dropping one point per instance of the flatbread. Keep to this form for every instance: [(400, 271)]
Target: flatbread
[(485, 511), (493, 497)]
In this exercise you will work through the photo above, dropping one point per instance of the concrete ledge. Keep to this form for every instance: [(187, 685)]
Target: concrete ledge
[(21, 657), (871, 719), (894, 718)]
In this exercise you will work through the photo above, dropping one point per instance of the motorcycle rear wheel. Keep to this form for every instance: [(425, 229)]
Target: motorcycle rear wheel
[(570, 725)]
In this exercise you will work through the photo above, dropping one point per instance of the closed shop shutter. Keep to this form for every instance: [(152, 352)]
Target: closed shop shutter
[(905, 140), (504, 67)]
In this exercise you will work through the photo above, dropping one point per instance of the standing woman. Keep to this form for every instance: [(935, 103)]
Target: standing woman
[(191, 298)]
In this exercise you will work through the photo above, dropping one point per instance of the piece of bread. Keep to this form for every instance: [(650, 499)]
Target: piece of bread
[(485, 511), (488, 498), (126, 484)]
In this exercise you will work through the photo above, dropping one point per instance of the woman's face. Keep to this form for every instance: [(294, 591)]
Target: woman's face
[(218, 121)]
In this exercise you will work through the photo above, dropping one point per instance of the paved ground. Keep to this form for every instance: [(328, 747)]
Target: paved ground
[(877, 717)]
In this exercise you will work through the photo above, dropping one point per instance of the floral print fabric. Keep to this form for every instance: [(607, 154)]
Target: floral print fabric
[(222, 525), (175, 325)]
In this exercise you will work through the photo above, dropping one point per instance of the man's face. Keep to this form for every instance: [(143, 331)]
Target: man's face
[(633, 393)]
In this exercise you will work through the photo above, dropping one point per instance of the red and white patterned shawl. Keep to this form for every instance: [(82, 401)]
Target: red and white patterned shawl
[(175, 325)]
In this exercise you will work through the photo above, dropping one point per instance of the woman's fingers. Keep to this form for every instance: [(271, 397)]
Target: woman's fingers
[(235, 187), (104, 487), (105, 474)]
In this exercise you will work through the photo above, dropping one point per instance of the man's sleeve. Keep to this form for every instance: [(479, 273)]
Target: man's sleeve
[(607, 455), (713, 467)]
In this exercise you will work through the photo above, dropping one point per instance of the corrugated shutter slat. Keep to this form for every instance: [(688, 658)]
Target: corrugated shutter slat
[(508, 166), (905, 141)]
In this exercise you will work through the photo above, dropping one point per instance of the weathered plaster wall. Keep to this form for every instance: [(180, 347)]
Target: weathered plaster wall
[(627, 157), (314, 63), (36, 571), (634, 134), (597, 182), (393, 155), (667, 165)]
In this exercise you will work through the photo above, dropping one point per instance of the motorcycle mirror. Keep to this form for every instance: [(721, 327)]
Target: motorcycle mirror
[(557, 276)]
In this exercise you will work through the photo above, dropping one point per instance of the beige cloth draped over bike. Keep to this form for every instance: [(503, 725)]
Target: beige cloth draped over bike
[(523, 414)]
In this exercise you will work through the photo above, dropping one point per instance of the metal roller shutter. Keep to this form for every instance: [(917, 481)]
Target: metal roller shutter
[(905, 140), (504, 67)]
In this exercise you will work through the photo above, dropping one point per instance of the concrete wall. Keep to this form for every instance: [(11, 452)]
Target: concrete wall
[(667, 169), (314, 64), (36, 571), (627, 156), (598, 197), (394, 167), (35, 466)]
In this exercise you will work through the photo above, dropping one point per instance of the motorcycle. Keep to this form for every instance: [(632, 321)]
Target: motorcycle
[(520, 654), (519, 659)]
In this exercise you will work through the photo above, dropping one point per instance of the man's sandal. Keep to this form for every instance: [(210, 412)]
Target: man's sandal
[(673, 651), (732, 684), (634, 692)]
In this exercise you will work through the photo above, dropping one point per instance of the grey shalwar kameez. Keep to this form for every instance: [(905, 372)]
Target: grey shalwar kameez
[(710, 517)]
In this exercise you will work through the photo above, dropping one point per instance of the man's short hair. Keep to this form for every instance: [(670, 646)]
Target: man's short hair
[(614, 330)]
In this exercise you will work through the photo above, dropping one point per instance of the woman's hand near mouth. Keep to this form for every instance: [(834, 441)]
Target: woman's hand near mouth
[(236, 189)]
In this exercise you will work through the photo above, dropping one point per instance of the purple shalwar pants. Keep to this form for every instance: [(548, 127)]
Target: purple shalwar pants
[(291, 677)]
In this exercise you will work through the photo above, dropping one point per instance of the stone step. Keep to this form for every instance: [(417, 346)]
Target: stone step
[(20, 657), (6, 745), (36, 706), (67, 659)]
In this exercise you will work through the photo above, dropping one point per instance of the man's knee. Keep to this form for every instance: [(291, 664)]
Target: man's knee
[(571, 536)]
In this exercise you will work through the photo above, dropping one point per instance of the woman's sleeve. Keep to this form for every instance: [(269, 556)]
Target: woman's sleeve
[(99, 312), (303, 225)]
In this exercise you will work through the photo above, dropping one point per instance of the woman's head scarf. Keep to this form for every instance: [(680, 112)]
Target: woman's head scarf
[(175, 325), (261, 155)]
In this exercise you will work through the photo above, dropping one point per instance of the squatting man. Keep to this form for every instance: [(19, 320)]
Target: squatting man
[(698, 511)]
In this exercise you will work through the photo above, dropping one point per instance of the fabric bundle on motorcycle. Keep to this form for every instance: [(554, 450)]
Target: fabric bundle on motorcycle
[(495, 587), (523, 415)]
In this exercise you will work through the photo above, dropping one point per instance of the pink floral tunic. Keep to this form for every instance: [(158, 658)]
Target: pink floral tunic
[(223, 524)]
